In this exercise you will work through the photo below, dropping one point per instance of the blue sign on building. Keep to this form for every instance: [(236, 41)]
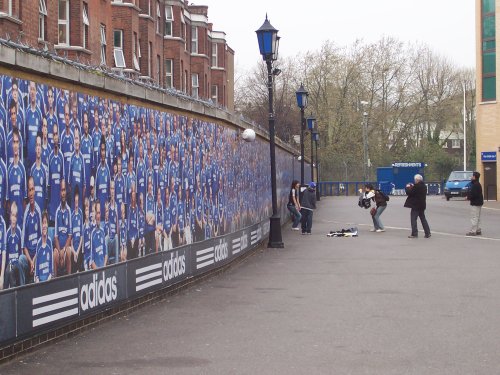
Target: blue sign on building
[(489, 156)]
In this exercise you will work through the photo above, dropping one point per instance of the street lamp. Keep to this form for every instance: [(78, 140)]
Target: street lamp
[(268, 39), (365, 141), (465, 131), (311, 125), (302, 95), (315, 136)]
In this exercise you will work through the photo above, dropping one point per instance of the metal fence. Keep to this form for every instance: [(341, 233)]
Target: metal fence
[(349, 188)]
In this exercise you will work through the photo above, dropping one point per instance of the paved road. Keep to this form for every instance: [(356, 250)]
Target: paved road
[(377, 304)]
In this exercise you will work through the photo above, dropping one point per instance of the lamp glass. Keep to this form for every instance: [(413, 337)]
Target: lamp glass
[(311, 123), (267, 37), (301, 94)]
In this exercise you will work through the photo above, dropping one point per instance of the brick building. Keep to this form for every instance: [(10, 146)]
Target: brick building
[(487, 106), (166, 42)]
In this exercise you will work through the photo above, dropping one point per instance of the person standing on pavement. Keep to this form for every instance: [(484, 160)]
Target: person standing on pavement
[(308, 205), (294, 205), (417, 194), (381, 205), (475, 197)]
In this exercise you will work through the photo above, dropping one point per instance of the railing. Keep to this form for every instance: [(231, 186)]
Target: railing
[(347, 188)]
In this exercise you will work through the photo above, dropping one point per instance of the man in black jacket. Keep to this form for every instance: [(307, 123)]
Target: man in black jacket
[(475, 197), (308, 204), (417, 194)]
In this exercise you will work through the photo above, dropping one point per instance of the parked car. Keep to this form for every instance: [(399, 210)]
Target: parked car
[(457, 184)]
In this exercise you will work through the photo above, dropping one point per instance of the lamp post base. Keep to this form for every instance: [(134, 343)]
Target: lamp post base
[(275, 239), (318, 195)]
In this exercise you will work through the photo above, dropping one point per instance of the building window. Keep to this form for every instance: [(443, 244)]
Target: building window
[(118, 49), (136, 52), (215, 94), (185, 81), (183, 31), (10, 7), (42, 19), (169, 73), (488, 32), (169, 20), (150, 59), (158, 17), (214, 55), (455, 143), (158, 66), (86, 25), (63, 22), (194, 85), (194, 39), (181, 75), (103, 44)]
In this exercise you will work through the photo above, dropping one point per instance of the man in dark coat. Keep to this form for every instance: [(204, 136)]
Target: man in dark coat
[(308, 205), (475, 197), (417, 193)]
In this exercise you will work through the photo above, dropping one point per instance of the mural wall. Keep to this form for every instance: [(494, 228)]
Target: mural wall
[(90, 185)]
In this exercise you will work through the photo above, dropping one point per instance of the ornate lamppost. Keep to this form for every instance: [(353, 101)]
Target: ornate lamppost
[(302, 95), (315, 136), (311, 125), (268, 39)]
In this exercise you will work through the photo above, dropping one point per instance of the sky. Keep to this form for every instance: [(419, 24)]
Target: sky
[(446, 26)]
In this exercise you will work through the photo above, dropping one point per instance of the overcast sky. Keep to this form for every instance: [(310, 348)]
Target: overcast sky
[(446, 26)]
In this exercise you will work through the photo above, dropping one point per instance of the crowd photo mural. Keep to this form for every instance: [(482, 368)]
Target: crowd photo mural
[(87, 181)]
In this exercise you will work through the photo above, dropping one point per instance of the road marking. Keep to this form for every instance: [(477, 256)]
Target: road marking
[(491, 208), (408, 229)]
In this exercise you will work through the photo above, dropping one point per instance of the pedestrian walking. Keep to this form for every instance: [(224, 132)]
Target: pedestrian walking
[(308, 205), (417, 194), (475, 197), (380, 200), (294, 205)]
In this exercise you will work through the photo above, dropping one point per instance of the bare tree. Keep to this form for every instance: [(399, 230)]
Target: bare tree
[(414, 96)]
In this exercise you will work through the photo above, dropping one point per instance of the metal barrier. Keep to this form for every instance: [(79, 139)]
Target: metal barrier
[(349, 188)]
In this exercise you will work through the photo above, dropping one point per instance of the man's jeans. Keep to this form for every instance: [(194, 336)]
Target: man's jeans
[(307, 220), (113, 255), (296, 215), (24, 269), (377, 223)]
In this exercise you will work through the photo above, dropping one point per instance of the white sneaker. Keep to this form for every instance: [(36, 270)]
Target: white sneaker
[(295, 228), (373, 230), (380, 230)]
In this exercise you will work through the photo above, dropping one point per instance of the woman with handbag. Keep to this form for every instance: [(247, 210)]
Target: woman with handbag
[(380, 206)]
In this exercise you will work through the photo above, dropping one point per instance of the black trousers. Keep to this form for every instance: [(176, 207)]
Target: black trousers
[(132, 251), (150, 242), (175, 238), (199, 233), (413, 219)]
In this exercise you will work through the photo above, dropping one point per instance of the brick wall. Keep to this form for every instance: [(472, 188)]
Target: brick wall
[(130, 19)]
